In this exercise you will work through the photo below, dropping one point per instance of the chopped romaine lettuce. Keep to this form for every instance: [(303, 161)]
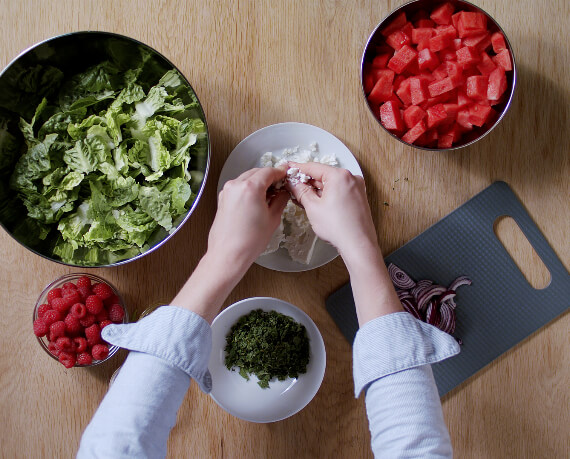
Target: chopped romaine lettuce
[(106, 164)]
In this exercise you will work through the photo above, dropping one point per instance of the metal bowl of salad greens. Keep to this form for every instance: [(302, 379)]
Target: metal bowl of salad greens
[(104, 149)]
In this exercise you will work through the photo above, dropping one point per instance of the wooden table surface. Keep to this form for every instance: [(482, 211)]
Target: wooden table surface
[(257, 63)]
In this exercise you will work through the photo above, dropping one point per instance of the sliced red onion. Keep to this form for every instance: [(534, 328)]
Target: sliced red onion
[(462, 280), (427, 301), (429, 293), (410, 307), (399, 278)]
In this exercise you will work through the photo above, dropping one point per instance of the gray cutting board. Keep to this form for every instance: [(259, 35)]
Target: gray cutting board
[(500, 308)]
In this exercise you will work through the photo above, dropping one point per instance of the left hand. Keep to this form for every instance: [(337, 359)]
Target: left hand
[(246, 216)]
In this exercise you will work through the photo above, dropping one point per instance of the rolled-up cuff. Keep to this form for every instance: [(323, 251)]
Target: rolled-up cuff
[(178, 336), (396, 342)]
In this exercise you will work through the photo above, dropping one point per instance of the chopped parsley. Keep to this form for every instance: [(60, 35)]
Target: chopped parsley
[(269, 345)]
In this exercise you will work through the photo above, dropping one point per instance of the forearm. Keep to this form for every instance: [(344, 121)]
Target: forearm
[(372, 289), (210, 284)]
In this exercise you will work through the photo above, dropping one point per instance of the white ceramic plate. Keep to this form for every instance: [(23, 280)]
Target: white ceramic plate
[(245, 399), (276, 138)]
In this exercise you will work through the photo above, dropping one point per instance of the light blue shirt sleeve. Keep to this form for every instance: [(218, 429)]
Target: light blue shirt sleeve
[(168, 348), (391, 363), (172, 346)]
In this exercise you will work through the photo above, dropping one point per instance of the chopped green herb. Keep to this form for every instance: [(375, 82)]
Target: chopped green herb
[(269, 345)]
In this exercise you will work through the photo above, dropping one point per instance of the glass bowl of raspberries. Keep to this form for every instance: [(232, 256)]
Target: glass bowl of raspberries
[(70, 314)]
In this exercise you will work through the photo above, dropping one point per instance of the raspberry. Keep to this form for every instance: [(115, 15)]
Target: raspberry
[(72, 325), (68, 286), (54, 350), (83, 282), (79, 310), (84, 359), (53, 293), (67, 359), (104, 323), (56, 330), (42, 308), (71, 298), (103, 315), (60, 305), (87, 321), (93, 334), (103, 291), (79, 344), (84, 292), (111, 300), (116, 313), (100, 351), (40, 328), (64, 343), (51, 316), (94, 304)]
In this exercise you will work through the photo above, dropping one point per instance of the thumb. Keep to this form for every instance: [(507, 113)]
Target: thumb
[(304, 194)]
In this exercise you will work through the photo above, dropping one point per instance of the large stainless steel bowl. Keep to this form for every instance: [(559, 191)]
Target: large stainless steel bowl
[(24, 83)]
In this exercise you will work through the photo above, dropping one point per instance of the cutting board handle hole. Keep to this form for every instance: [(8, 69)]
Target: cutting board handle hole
[(521, 251)]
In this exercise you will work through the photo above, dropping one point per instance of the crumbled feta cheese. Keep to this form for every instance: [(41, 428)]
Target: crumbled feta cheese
[(295, 233)]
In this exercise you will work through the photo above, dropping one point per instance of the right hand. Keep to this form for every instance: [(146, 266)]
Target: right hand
[(337, 207)]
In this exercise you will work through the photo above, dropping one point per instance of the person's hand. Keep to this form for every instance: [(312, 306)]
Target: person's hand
[(336, 205), (247, 216)]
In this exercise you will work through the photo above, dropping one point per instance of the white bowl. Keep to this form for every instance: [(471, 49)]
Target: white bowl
[(275, 138), (244, 398)]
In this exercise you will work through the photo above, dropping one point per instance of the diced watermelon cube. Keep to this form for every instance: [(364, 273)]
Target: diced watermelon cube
[(441, 86), (484, 44), (402, 59), (463, 119), (435, 115), (455, 19), (440, 72), (383, 89), (467, 56), (503, 59), (427, 59), (471, 23), (476, 40), (390, 116), (440, 42), (412, 135), (398, 81), (398, 39), (413, 115), (404, 92), (455, 72), (447, 55), (462, 99), (423, 44), (498, 42), (454, 130), (486, 66), (478, 114), (444, 141), (420, 23), (380, 61), (442, 14), (457, 44), (447, 31), (398, 22), (421, 34), (477, 87), (419, 90), (497, 84), (452, 110)]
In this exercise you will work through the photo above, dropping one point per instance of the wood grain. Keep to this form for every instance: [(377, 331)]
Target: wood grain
[(257, 63)]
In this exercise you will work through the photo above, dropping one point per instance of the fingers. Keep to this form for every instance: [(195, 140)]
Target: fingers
[(264, 176), (317, 171), (303, 193), (278, 203)]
